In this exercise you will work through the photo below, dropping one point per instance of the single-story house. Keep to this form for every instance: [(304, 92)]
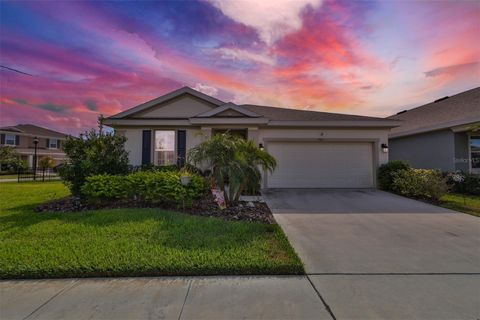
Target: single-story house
[(444, 134), (313, 149)]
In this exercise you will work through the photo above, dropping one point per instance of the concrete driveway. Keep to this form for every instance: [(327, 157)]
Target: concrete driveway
[(372, 254)]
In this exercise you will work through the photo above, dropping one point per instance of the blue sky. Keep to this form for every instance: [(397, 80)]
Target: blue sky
[(360, 57)]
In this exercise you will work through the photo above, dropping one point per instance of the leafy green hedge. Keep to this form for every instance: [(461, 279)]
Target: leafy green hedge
[(419, 183), (92, 154), (464, 183), (386, 171), (154, 187)]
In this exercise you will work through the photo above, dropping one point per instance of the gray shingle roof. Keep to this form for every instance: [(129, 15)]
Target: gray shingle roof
[(272, 113), (34, 130), (283, 114), (166, 97), (462, 108)]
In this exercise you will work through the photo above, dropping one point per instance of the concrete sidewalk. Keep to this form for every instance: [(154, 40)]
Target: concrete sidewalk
[(245, 297), (232, 297)]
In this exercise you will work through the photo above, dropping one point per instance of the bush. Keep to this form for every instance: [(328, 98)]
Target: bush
[(386, 171), (92, 154), (151, 187), (471, 184), (165, 186), (10, 161), (46, 162), (464, 183), (419, 183), (105, 187), (151, 167)]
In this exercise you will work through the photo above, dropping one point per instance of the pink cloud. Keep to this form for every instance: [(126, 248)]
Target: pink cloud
[(333, 57)]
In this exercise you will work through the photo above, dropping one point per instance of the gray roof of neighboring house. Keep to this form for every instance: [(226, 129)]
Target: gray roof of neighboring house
[(460, 109), (34, 130)]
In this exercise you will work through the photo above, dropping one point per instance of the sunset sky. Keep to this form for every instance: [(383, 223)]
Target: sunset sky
[(80, 59)]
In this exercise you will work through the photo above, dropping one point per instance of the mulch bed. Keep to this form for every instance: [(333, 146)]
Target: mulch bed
[(206, 207)]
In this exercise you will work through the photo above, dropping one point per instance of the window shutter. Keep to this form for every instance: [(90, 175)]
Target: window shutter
[(48, 143), (17, 140), (59, 144), (146, 146), (2, 138), (181, 147)]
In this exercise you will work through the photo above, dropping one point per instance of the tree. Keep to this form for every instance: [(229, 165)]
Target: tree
[(10, 159), (91, 154), (46, 162), (235, 163)]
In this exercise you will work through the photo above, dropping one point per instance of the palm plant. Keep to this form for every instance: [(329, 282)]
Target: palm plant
[(250, 162), (235, 163)]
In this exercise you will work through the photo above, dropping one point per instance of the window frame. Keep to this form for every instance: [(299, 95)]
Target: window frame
[(14, 139), (470, 160), (236, 132), (50, 143), (154, 147)]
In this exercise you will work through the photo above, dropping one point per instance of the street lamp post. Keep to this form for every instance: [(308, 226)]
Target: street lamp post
[(35, 142)]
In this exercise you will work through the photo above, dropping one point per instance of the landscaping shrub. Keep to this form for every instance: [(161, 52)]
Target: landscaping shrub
[(386, 171), (10, 161), (464, 183), (471, 184), (92, 154), (148, 186), (165, 186), (419, 183), (46, 162), (151, 167), (106, 187), (235, 164)]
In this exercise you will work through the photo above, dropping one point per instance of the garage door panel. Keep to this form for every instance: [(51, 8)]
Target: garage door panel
[(321, 165)]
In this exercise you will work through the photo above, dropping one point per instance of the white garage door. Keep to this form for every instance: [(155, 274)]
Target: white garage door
[(321, 165)]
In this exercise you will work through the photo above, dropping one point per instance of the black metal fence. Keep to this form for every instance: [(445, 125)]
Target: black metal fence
[(41, 174)]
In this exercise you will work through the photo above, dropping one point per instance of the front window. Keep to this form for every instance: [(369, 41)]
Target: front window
[(10, 139), (475, 153), (53, 143), (164, 147), (241, 133)]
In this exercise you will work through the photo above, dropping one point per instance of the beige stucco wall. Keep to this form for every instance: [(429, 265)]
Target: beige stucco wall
[(133, 145), (194, 137), (27, 142), (263, 135), (183, 107)]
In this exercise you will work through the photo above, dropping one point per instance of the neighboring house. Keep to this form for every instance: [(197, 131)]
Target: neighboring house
[(21, 138), (313, 149), (444, 134)]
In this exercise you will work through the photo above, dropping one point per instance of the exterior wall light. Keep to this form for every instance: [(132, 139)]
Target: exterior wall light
[(260, 146), (384, 148)]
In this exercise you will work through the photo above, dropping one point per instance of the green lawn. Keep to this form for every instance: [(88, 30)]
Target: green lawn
[(129, 242), (458, 202), (8, 176)]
